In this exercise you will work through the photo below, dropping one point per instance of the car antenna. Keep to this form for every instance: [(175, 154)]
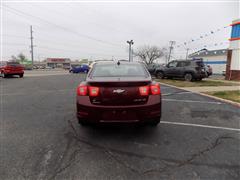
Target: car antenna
[(118, 63)]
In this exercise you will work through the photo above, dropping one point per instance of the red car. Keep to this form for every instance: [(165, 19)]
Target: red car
[(11, 68), (119, 92)]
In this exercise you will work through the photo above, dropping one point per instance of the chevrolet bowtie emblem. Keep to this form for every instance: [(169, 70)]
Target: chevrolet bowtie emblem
[(118, 91)]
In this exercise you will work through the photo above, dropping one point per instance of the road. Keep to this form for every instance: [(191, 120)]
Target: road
[(198, 138)]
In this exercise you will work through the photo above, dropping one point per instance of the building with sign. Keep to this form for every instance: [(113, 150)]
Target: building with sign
[(58, 62), (233, 56)]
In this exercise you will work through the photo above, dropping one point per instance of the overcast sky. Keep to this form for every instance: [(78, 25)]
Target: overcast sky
[(100, 30)]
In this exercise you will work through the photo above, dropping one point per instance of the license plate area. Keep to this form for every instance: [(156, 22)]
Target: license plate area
[(119, 115)]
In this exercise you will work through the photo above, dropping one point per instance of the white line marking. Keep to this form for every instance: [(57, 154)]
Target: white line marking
[(186, 92), (176, 93), (166, 94), (192, 101), (199, 125)]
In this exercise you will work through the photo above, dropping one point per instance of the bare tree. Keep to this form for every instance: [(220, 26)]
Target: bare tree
[(21, 57), (149, 53)]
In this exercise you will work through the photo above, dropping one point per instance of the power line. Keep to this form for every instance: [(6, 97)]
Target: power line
[(58, 49), (61, 27), (77, 20), (76, 51), (51, 41)]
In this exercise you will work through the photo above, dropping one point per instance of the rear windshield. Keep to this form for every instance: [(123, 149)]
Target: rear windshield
[(122, 70), (13, 64)]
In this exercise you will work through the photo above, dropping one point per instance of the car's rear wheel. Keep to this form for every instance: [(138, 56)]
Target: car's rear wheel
[(3, 75), (160, 75), (188, 77), (21, 75), (155, 121)]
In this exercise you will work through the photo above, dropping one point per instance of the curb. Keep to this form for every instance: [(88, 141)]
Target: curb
[(206, 95)]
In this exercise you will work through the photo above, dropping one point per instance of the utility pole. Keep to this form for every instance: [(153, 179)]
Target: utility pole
[(130, 49), (170, 50), (132, 54), (31, 33), (187, 53)]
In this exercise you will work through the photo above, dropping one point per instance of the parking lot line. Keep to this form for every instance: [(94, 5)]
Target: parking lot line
[(176, 93), (192, 101), (200, 125)]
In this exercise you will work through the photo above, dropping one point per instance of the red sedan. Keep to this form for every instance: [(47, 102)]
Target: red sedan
[(11, 68), (119, 92)]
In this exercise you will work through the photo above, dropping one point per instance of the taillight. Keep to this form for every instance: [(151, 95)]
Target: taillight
[(155, 89), (93, 91), (144, 90), (82, 90)]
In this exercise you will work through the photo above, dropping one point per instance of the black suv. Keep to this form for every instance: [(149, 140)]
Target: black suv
[(188, 69)]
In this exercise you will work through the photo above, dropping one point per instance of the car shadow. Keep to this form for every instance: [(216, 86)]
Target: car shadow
[(11, 77), (123, 132)]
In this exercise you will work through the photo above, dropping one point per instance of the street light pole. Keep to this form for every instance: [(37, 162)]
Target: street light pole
[(31, 33), (170, 51), (187, 53), (130, 50)]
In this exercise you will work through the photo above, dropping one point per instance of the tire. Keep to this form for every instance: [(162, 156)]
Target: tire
[(154, 122), (82, 122), (188, 77), (3, 75), (160, 75), (21, 75)]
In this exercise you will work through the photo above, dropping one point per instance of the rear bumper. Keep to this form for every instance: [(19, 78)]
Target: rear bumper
[(133, 113)]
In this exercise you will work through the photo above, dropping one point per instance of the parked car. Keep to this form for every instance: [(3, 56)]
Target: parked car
[(118, 92), (188, 69), (11, 68), (77, 69), (152, 68), (28, 67), (49, 67), (208, 70)]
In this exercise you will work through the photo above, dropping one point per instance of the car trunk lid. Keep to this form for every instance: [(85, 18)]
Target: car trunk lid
[(14, 67), (119, 91)]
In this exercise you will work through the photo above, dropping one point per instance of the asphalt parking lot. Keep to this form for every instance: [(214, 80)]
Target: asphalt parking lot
[(198, 138)]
